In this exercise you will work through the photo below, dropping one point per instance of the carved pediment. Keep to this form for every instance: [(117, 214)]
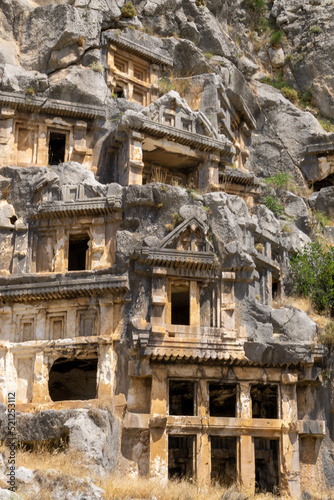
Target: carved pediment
[(189, 236), (173, 111)]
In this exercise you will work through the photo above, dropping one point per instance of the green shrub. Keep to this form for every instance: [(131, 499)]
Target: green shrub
[(208, 55), (281, 180), (288, 58), (257, 10), (312, 275), (201, 3), (276, 37), (306, 97), (97, 67), (290, 94), (30, 91), (165, 85), (315, 30), (274, 205), (326, 336), (177, 219), (128, 10), (279, 83), (256, 5), (322, 218), (326, 124)]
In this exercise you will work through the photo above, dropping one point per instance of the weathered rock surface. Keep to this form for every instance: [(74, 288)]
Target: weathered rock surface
[(323, 201)]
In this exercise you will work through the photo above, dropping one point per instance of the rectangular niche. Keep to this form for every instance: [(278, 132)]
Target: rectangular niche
[(181, 454), (87, 323), (223, 400), (57, 326), (27, 329), (266, 465), (25, 376), (264, 400), (224, 460), (181, 397), (26, 145)]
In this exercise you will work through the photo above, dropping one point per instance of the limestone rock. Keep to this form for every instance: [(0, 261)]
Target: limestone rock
[(91, 433), (189, 59), (8, 495), (78, 84), (282, 135), (293, 324), (323, 201), (24, 475), (294, 206), (73, 31), (15, 78), (276, 57)]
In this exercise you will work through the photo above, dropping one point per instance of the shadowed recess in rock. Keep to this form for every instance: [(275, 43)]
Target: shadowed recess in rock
[(73, 379)]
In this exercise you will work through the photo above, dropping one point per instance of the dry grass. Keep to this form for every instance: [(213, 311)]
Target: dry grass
[(304, 304), (117, 487), (70, 462)]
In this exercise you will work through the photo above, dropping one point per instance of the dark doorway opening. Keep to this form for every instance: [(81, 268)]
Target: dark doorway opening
[(264, 401), (180, 305), (57, 146), (275, 289), (119, 92), (326, 182), (181, 457), (266, 465), (181, 398), (224, 460), (73, 379), (77, 252), (223, 400)]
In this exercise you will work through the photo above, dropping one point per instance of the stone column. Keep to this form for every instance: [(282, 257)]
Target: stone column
[(203, 447), (40, 390), (136, 164), (290, 478), (195, 319), (246, 455), (98, 257), (8, 148), (106, 371), (43, 146), (106, 317), (227, 301), (209, 174), (21, 251), (61, 250), (159, 299), (158, 433)]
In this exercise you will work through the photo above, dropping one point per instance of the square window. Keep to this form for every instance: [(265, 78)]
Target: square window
[(181, 397), (223, 400)]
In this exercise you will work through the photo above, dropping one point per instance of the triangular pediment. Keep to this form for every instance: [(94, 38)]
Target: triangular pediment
[(189, 236), (174, 111)]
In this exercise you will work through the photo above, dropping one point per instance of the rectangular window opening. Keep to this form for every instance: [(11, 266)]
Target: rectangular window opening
[(224, 460), (77, 252), (181, 457), (264, 401), (180, 305), (275, 288), (266, 465), (181, 398), (223, 399), (57, 147)]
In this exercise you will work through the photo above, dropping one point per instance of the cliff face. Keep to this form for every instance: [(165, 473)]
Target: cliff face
[(143, 259)]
